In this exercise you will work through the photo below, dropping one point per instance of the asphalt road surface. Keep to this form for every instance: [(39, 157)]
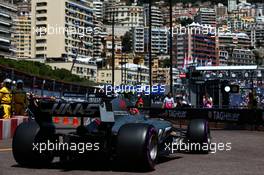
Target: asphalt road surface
[(246, 157)]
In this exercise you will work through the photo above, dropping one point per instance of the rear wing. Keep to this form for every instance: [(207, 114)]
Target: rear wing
[(46, 111)]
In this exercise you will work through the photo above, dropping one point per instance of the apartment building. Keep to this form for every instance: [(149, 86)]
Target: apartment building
[(206, 16), (230, 40), (221, 11), (98, 44), (236, 47), (120, 59), (124, 15), (179, 52), (157, 19), (159, 40), (108, 45), (98, 9), (99, 35), (232, 5), (128, 74), (256, 35), (138, 39), (223, 58), (8, 13), (61, 28), (179, 12), (22, 31), (161, 75), (242, 57), (259, 13), (195, 46)]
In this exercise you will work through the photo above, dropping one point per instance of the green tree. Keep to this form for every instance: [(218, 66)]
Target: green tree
[(185, 22), (166, 63), (127, 43), (259, 56), (40, 69)]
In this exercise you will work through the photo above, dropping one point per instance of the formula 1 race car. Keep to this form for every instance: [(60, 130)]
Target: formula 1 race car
[(101, 129)]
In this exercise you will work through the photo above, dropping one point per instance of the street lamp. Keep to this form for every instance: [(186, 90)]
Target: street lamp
[(150, 50), (171, 35), (113, 48)]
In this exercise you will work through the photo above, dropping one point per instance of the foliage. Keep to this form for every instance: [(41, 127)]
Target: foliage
[(259, 56), (185, 22), (127, 43), (40, 69), (166, 63)]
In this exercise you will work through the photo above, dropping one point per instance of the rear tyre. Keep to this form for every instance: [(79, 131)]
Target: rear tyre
[(25, 153), (198, 136), (137, 146)]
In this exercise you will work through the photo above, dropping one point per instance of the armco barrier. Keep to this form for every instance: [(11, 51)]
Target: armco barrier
[(238, 116), (8, 126)]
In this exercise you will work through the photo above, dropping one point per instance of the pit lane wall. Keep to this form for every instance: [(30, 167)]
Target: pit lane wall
[(8, 126)]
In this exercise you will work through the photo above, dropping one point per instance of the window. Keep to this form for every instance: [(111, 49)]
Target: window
[(41, 18), (41, 26), (40, 48), (40, 55), (41, 41), (41, 11), (41, 4)]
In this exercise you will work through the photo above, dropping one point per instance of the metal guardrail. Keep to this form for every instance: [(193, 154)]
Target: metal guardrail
[(239, 116), (37, 82)]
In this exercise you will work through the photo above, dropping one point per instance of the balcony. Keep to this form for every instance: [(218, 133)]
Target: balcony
[(41, 44), (41, 8), (40, 15), (40, 37)]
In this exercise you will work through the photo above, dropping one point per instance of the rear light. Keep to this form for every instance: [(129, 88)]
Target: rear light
[(56, 120), (69, 121)]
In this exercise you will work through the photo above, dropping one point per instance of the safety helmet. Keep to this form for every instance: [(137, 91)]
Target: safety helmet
[(20, 82), (7, 80)]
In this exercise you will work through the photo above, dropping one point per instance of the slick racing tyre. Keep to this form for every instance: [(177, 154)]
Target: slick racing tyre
[(137, 146), (26, 136), (198, 136)]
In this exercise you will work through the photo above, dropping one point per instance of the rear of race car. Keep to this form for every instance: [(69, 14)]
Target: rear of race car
[(64, 130)]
